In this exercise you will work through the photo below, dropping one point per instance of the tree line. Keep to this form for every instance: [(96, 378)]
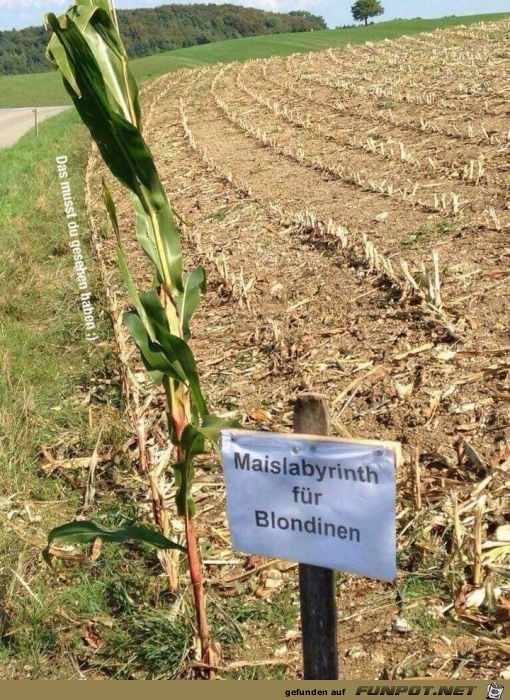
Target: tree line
[(151, 30)]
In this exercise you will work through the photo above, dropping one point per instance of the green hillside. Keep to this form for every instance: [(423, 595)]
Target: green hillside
[(45, 89)]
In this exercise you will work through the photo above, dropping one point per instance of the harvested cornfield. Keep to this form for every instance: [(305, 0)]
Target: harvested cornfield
[(352, 210)]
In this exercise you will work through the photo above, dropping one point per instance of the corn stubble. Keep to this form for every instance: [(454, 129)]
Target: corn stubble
[(87, 49)]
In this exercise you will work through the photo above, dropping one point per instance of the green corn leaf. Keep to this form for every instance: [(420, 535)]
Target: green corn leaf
[(194, 284), (193, 443), (172, 245), (57, 55), (111, 211), (211, 426), (176, 349), (156, 376), (152, 353), (153, 308), (121, 259), (119, 142), (85, 531), (133, 294), (145, 237), (95, 22)]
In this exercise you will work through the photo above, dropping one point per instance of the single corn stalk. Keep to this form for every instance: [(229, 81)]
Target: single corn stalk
[(87, 49)]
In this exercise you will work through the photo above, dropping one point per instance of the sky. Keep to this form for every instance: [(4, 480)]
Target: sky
[(22, 13)]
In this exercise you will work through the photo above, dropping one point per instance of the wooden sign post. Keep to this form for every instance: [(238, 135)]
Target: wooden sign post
[(317, 584), (327, 503)]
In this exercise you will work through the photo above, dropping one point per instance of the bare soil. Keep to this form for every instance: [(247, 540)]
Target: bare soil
[(290, 309)]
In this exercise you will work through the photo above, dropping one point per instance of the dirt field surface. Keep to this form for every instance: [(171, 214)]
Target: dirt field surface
[(16, 122), (352, 210)]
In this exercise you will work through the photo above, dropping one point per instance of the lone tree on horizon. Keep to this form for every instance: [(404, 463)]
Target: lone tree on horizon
[(363, 9)]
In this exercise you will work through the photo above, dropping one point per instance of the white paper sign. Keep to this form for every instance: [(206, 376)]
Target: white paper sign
[(313, 500)]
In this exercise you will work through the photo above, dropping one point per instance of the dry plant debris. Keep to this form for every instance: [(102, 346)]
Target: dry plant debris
[(351, 208)]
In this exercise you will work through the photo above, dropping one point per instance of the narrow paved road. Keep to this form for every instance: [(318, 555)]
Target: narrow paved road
[(16, 122)]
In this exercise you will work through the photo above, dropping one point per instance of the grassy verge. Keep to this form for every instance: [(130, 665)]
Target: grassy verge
[(45, 366), (42, 343), (56, 391), (45, 89)]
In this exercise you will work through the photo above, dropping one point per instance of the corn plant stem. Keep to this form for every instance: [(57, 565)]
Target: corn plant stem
[(195, 568), (178, 409)]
